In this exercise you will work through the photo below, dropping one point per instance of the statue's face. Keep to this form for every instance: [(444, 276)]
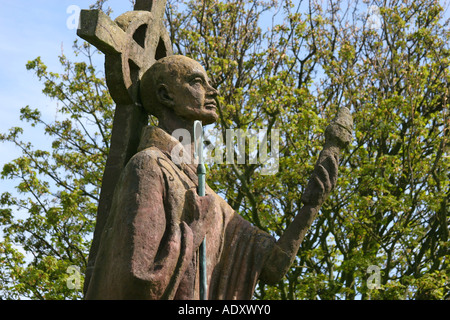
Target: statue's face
[(193, 96)]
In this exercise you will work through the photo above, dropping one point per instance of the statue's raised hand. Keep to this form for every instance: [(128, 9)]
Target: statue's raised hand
[(323, 179)]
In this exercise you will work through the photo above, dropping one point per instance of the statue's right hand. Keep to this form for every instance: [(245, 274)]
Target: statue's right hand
[(198, 213)]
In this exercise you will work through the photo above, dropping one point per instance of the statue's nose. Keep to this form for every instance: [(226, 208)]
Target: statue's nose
[(212, 91)]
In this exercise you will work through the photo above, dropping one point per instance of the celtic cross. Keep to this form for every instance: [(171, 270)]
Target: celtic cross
[(131, 44)]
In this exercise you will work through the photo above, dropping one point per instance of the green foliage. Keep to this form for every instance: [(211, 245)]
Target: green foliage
[(51, 216), (291, 72), (390, 206)]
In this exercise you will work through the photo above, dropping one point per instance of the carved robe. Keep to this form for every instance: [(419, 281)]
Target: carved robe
[(146, 250)]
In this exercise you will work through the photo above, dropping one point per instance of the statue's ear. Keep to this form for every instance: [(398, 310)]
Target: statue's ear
[(164, 96)]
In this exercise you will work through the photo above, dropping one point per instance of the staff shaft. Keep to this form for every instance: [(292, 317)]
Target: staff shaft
[(201, 173)]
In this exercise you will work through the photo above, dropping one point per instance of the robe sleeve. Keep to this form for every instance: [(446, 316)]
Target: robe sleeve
[(245, 250), (161, 245)]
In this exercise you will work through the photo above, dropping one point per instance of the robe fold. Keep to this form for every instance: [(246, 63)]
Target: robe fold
[(147, 250)]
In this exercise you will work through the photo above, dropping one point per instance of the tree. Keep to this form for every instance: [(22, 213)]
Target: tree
[(390, 208), (57, 190), (278, 66)]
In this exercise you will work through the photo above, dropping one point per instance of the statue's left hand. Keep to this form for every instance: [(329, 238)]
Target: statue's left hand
[(323, 180)]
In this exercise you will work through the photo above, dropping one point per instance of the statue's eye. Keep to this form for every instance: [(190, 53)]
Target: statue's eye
[(197, 80)]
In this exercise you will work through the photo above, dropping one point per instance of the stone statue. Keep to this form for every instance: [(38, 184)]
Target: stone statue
[(147, 246)]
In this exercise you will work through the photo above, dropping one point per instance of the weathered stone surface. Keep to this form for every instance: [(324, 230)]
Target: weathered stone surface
[(151, 221), (131, 44), (321, 183), (337, 136), (149, 245)]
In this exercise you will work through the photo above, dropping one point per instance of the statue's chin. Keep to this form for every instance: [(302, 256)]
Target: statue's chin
[(209, 121), (208, 117)]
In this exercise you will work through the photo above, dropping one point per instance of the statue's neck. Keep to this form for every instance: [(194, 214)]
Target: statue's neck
[(169, 121), (169, 125)]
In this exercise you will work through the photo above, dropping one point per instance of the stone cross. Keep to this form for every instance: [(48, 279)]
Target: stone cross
[(131, 44)]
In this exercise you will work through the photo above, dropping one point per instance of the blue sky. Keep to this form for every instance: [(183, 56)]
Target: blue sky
[(29, 29)]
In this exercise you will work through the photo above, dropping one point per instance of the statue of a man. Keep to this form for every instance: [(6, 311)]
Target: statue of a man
[(149, 246)]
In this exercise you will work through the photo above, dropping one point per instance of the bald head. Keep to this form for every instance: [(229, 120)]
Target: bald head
[(163, 71), (180, 84)]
